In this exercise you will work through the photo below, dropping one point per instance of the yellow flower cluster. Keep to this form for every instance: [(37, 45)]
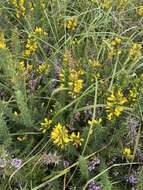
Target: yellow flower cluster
[(122, 4), (24, 68), (106, 4), (31, 6), (74, 41), (114, 103), (140, 11), (114, 47), (133, 94), (2, 41), (20, 7), (96, 66), (76, 139), (39, 31), (94, 63), (116, 41), (67, 57), (62, 77), (42, 68), (71, 23), (76, 86), (60, 136), (127, 153), (75, 83), (45, 125), (135, 50), (94, 122), (42, 3), (21, 66), (31, 47)]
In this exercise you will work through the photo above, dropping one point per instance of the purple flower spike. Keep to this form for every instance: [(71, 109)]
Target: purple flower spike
[(132, 180), (16, 162), (93, 186), (93, 164), (32, 85)]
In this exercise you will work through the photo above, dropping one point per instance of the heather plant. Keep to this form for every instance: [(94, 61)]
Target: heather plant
[(71, 94)]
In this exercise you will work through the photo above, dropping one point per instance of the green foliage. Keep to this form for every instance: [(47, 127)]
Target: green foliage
[(22, 105), (4, 133), (140, 179), (83, 165), (77, 64), (105, 180)]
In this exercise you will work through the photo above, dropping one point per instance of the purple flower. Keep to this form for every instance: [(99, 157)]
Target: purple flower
[(32, 85), (133, 188), (47, 50), (93, 164), (77, 116), (2, 94), (72, 129), (132, 180), (16, 162), (112, 161), (66, 163), (93, 186), (133, 125)]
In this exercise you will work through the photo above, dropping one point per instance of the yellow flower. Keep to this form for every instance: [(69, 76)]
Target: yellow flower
[(31, 6), (76, 86), (76, 139), (15, 113), (106, 4), (62, 76), (39, 30), (60, 136), (2, 41), (74, 41), (74, 75), (113, 47), (21, 66), (67, 57), (2, 44), (110, 115), (42, 3), (116, 41), (45, 125), (94, 63), (140, 11), (20, 7), (94, 122), (127, 153), (112, 52), (29, 67), (114, 103), (71, 24), (42, 68), (27, 52), (118, 110), (21, 138), (122, 4), (135, 50), (31, 47)]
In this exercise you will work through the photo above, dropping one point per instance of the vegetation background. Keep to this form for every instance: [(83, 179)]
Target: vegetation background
[(71, 94)]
